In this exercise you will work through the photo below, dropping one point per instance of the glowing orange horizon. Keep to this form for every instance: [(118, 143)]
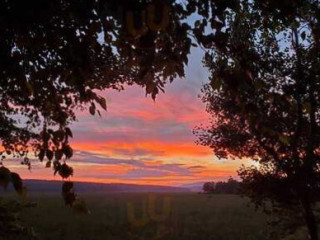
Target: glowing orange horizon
[(139, 141), (159, 148)]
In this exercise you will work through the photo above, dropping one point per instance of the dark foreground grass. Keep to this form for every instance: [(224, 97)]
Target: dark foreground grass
[(179, 216)]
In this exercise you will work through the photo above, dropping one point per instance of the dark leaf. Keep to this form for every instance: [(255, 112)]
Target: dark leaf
[(65, 171), (103, 103), (58, 154), (4, 177), (92, 109), (67, 150), (17, 183), (67, 187), (48, 164), (69, 132), (41, 154), (49, 154), (56, 167)]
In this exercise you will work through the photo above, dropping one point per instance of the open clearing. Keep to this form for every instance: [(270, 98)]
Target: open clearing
[(187, 216)]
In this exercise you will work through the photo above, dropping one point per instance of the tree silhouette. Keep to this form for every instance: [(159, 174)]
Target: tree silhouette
[(263, 94), (208, 187), (264, 99), (56, 55), (229, 187)]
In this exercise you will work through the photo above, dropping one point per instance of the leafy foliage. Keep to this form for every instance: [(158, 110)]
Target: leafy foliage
[(264, 100), (264, 89), (68, 193), (7, 177), (11, 225), (208, 187), (56, 55), (229, 187)]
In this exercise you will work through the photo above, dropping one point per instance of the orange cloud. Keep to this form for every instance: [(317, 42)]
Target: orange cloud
[(162, 149)]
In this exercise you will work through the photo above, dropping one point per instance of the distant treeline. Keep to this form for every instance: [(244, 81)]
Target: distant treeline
[(229, 187)]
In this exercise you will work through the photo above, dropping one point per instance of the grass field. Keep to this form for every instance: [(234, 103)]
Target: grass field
[(179, 216)]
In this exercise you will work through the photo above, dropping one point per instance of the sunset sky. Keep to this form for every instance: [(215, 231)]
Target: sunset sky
[(144, 142)]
